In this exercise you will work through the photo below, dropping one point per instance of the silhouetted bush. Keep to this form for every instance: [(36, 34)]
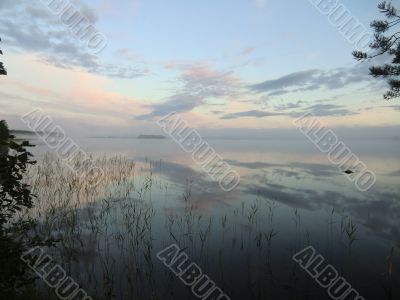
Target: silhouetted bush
[(16, 234)]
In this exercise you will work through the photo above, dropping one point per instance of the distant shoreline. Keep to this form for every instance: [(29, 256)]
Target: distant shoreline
[(141, 137)]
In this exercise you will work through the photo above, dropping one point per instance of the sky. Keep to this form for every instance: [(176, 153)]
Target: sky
[(223, 65)]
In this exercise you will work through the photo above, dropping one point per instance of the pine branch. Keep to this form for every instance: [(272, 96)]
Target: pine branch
[(385, 43)]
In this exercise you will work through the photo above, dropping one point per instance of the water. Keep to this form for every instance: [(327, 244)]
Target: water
[(290, 196)]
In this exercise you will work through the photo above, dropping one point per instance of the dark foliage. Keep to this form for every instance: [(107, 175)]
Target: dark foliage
[(386, 41), (3, 70), (16, 234)]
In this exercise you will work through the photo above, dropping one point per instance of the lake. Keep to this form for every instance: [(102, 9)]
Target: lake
[(290, 196)]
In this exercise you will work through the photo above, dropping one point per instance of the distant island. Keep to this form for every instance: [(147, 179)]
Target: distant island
[(20, 132), (151, 137), (17, 133)]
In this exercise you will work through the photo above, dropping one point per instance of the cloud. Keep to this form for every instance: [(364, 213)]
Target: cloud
[(92, 65), (217, 112), (315, 169), (288, 106), (324, 110), (30, 27), (177, 103), (313, 79), (251, 165), (319, 110), (199, 82), (207, 82), (250, 113), (76, 98), (286, 173), (293, 79)]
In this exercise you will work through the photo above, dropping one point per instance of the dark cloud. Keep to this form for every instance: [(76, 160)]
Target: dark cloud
[(30, 26), (319, 110), (323, 110), (294, 79), (288, 106), (178, 103), (286, 173), (277, 93), (251, 113), (313, 79)]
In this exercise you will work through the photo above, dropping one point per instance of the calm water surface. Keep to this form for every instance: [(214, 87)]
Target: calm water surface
[(288, 190)]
